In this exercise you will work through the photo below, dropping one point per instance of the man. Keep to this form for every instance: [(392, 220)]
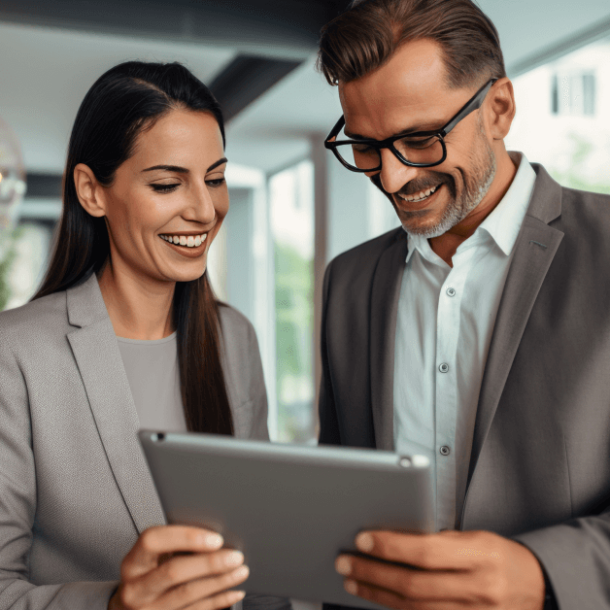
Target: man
[(480, 329)]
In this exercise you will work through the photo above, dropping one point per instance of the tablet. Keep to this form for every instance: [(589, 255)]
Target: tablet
[(291, 509)]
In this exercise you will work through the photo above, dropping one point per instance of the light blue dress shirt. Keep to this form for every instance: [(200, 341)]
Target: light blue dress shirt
[(446, 317)]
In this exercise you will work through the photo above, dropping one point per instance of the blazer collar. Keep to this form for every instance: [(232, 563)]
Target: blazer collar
[(99, 360), (535, 249), (387, 279)]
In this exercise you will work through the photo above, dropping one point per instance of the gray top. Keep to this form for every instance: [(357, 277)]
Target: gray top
[(154, 378)]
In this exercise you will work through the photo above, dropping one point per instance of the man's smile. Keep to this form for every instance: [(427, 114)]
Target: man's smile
[(420, 200)]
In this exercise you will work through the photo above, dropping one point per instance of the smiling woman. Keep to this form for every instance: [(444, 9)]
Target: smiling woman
[(124, 333)]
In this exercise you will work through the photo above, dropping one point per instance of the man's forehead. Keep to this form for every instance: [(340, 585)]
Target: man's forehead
[(410, 90)]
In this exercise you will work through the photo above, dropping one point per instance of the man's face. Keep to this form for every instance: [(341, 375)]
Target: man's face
[(410, 92)]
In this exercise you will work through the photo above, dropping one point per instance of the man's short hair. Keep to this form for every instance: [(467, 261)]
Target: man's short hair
[(364, 37)]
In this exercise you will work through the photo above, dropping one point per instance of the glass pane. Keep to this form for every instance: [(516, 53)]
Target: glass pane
[(563, 117), (292, 226), (420, 150)]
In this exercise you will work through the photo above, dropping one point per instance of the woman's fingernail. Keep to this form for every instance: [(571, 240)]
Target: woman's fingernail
[(242, 572), (365, 542), (343, 565), (234, 559), (213, 540), (235, 596), (351, 587)]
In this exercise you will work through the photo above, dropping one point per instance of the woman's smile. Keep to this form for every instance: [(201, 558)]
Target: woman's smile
[(191, 245)]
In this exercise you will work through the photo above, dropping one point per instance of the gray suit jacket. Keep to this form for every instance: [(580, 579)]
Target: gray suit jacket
[(540, 465), (75, 491)]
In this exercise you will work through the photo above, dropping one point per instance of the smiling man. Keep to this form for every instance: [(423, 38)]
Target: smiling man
[(480, 329)]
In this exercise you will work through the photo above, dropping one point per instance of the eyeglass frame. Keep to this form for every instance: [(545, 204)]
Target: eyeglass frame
[(474, 103)]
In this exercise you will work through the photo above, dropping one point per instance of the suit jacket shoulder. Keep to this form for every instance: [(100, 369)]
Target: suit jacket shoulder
[(37, 320)]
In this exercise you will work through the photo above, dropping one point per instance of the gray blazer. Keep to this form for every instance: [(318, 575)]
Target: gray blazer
[(75, 491), (540, 465)]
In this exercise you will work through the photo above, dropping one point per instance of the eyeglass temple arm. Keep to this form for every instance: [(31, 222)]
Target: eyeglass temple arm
[(334, 132), (473, 104)]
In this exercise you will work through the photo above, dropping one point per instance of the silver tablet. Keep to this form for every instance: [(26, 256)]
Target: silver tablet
[(291, 509)]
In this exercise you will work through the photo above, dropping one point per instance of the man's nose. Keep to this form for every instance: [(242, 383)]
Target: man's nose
[(394, 174)]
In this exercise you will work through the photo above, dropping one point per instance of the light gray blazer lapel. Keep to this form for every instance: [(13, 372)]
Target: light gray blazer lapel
[(384, 309), (97, 355), (534, 252)]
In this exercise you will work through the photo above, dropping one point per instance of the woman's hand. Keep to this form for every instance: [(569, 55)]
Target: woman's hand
[(196, 581)]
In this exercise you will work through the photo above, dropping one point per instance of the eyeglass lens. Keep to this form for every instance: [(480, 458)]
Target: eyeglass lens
[(420, 150)]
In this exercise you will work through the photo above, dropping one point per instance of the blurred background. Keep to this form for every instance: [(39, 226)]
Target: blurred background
[(293, 207)]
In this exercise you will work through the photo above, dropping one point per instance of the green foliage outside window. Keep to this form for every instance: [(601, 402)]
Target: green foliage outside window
[(294, 330), (574, 177), (8, 252)]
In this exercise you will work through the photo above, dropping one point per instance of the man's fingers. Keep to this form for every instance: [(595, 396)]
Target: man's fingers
[(443, 551), (180, 570), (392, 600), (156, 541), (200, 593), (413, 585)]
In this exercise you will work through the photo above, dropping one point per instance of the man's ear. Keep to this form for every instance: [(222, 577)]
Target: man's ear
[(502, 108), (89, 191)]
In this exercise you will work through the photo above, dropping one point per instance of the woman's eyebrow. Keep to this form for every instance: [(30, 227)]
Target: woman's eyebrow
[(219, 162), (168, 168), (182, 170)]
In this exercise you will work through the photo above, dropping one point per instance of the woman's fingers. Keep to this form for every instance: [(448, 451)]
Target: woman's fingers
[(209, 593), (222, 600), (156, 541), (181, 570)]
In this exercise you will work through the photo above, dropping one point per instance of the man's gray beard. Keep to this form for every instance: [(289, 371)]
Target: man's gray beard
[(474, 190)]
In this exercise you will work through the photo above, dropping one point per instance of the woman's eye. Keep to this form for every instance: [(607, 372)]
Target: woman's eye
[(164, 188), (216, 182)]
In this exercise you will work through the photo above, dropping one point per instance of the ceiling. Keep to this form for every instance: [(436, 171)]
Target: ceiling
[(53, 51)]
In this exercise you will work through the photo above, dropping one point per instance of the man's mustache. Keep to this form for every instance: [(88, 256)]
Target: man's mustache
[(418, 185)]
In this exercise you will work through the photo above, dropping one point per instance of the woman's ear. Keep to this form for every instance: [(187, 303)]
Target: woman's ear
[(89, 191)]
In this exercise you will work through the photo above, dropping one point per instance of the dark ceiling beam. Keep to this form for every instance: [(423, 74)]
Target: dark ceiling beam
[(284, 28), (245, 79)]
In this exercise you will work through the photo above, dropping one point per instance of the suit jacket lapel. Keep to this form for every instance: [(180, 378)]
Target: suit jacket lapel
[(384, 308), (534, 252), (99, 360)]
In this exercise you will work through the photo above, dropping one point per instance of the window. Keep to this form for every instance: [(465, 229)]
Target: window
[(573, 94), (292, 229), (570, 136)]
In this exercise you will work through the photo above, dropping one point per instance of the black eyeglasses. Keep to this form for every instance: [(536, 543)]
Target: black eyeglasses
[(418, 149)]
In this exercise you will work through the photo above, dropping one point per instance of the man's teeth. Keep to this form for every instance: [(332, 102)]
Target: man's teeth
[(190, 241), (420, 196)]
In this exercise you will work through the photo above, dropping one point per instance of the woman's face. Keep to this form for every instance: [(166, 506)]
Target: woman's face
[(168, 200)]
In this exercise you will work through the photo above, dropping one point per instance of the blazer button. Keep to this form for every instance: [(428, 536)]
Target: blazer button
[(445, 450), (443, 367), (451, 292)]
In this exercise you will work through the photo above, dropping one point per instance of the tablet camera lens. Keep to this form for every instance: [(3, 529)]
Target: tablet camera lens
[(160, 436)]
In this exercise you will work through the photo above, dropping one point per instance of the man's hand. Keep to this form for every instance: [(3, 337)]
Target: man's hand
[(444, 571)]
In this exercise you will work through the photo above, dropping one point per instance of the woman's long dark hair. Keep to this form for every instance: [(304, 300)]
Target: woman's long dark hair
[(118, 106)]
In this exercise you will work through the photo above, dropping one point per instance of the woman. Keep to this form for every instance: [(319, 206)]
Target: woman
[(124, 333)]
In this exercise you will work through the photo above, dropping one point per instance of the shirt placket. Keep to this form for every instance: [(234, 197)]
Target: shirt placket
[(447, 396)]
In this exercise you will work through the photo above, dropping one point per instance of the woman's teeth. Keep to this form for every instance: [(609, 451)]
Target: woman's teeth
[(190, 241), (420, 196)]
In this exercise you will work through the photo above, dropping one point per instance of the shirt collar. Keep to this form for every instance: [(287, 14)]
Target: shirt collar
[(504, 222)]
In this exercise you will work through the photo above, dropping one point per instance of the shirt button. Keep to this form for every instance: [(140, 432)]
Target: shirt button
[(443, 367), (445, 450), (451, 292)]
